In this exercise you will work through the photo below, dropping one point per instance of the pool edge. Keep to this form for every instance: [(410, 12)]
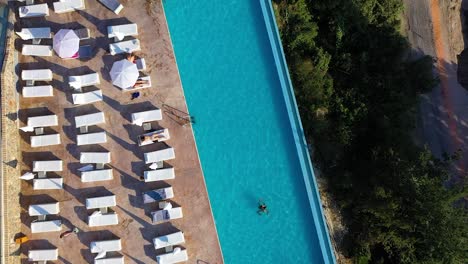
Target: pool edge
[(298, 132), (191, 129)]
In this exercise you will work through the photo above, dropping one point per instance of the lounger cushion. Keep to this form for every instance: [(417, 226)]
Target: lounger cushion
[(64, 6), (100, 202), (37, 50), (127, 46), (91, 138), (45, 140), (34, 10), (87, 98), (36, 75), (96, 175), (35, 33), (42, 254), (172, 258), (165, 215), (169, 240), (47, 165), (43, 121), (38, 91), (44, 209), (159, 155), (48, 184), (103, 219), (158, 195), (121, 31), (95, 157), (159, 175), (90, 119), (146, 116), (46, 226), (114, 260), (105, 245)]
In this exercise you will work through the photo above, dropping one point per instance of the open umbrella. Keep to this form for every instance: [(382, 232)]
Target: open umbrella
[(66, 43), (124, 74)]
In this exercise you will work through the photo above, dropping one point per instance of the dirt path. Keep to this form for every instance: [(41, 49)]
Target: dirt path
[(444, 111), (444, 74)]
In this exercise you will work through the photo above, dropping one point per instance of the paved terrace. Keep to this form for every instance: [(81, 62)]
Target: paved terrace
[(135, 228)]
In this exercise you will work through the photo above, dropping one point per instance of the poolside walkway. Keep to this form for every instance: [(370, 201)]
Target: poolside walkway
[(135, 228)]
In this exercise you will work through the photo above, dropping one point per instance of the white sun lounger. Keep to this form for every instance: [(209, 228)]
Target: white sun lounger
[(91, 138), (159, 155), (141, 86), (127, 46), (159, 175), (158, 195), (169, 240), (47, 165), (105, 245), (95, 157), (44, 209), (36, 75), (99, 219), (90, 119), (87, 98), (37, 50), (33, 11), (119, 32), (96, 175), (172, 257), (46, 226), (48, 184), (45, 140), (100, 202), (163, 133), (113, 5), (38, 91), (43, 254), (112, 260), (64, 6), (43, 121), (146, 116), (80, 81), (166, 215), (34, 33)]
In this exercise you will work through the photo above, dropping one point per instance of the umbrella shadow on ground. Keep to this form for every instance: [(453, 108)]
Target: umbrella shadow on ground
[(112, 103)]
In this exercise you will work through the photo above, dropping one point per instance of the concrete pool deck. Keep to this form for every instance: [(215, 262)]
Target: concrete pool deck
[(135, 228)]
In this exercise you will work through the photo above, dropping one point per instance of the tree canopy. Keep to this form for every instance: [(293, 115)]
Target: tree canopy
[(358, 95)]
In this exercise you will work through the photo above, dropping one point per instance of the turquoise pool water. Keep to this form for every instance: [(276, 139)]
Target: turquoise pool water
[(244, 133)]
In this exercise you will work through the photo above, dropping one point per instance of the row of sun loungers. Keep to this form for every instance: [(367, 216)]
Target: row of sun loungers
[(61, 6), (102, 214), (100, 247)]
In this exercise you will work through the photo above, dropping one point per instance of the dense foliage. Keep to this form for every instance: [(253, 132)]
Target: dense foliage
[(358, 93)]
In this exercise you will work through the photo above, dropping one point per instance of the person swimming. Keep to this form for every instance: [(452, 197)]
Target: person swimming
[(262, 208)]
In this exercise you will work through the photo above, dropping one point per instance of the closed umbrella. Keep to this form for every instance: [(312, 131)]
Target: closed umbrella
[(66, 43), (124, 74)]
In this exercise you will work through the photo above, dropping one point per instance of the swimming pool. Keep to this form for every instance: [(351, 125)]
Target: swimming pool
[(249, 139)]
